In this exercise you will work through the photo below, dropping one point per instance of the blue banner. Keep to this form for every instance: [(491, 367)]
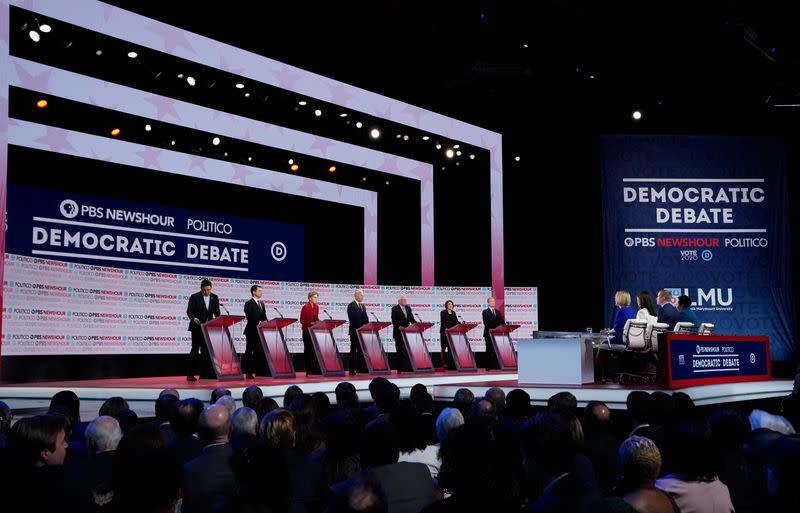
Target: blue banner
[(77, 228), (709, 359), (706, 217)]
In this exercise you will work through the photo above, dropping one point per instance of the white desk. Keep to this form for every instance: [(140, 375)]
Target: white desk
[(556, 358)]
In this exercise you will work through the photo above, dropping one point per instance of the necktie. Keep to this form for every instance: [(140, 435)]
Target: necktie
[(403, 309)]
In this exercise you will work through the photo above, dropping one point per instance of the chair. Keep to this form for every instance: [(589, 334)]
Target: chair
[(683, 328), (636, 345), (653, 330), (706, 328)]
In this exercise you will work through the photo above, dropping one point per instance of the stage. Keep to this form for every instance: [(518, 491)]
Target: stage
[(142, 392)]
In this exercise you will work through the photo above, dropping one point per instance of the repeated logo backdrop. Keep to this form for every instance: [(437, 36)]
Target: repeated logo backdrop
[(53, 307)]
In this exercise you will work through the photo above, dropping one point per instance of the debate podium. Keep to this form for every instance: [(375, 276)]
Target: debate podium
[(273, 343), (503, 347), (330, 362), (219, 345), (458, 341), (417, 350), (374, 354)]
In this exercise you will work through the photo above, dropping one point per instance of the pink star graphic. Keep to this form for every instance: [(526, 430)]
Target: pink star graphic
[(321, 144), (389, 164), (224, 66), (309, 187), (339, 94), (96, 156), (164, 107), (173, 37), (94, 102), (422, 171), (287, 78), (107, 11), (56, 139), (149, 157), (40, 82), (414, 112), (426, 214), (240, 173), (276, 187), (196, 161)]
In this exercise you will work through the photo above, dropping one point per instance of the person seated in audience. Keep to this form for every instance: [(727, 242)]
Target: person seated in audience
[(103, 435), (646, 311), (728, 433), (265, 405), (600, 444), (413, 439), (127, 419), (290, 395), (218, 393), (321, 403), (408, 486), (346, 395), (341, 459), (208, 482), (693, 480), (448, 420), (515, 414), (685, 312), (498, 398), (186, 446), (639, 466), (170, 391), (462, 400), (362, 495), (165, 410), (112, 406), (667, 313), (639, 405), (563, 403), (67, 403), (6, 416), (251, 397), (228, 402), (244, 429)]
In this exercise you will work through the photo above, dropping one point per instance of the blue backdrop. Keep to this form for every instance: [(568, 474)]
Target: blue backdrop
[(703, 216), (101, 231)]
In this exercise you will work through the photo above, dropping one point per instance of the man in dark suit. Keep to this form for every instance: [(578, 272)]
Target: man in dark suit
[(208, 481), (492, 318), (402, 316), (203, 306), (254, 361), (667, 313), (357, 315)]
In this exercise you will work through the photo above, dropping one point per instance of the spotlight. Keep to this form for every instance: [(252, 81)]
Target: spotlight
[(458, 153), (363, 178), (249, 159), (239, 86), (180, 75), (115, 132), (359, 124), (172, 142), (35, 37), (343, 115), (301, 102), (133, 55), (457, 146), (438, 146), (387, 182), (637, 115), (472, 156), (291, 161), (191, 81), (332, 169), (215, 141), (399, 136), (247, 95), (147, 128), (294, 167), (318, 113), (225, 154), (405, 137), (517, 158), (46, 28), (425, 137), (375, 133), (449, 153), (98, 53), (41, 104)]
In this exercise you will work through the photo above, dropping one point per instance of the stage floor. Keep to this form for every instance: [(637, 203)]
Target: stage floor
[(142, 392)]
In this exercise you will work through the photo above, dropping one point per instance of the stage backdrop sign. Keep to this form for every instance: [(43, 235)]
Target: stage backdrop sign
[(65, 307), (92, 229), (706, 217)]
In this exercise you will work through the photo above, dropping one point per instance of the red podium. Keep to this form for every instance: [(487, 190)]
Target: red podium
[(274, 344), (330, 363), (417, 350), (503, 347), (459, 346), (370, 340), (220, 346)]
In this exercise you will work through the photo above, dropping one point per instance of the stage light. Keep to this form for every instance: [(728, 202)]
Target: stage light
[(215, 141), (172, 143), (301, 102), (359, 124), (343, 115), (98, 53), (332, 169), (449, 153), (180, 75), (318, 113), (115, 132), (363, 178), (147, 128), (517, 158), (239, 86), (637, 115), (457, 146), (525, 45), (133, 55), (375, 133), (41, 104), (399, 136), (191, 81), (438, 146), (425, 137), (247, 95), (472, 156), (294, 167), (291, 161), (458, 153), (249, 159), (35, 37), (405, 137), (45, 28), (225, 154)]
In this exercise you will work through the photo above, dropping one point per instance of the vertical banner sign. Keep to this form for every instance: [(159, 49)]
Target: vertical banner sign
[(706, 217)]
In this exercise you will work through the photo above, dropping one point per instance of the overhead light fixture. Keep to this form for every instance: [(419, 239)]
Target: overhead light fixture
[(449, 153), (147, 128), (42, 104), (472, 156), (191, 81), (294, 167), (458, 153), (115, 132), (637, 115), (45, 28), (35, 37), (98, 53), (134, 55), (332, 169), (291, 161), (318, 113), (375, 133), (457, 146), (240, 86), (343, 115), (249, 159), (517, 158), (215, 141), (302, 102), (172, 143), (438, 146), (359, 124), (247, 95), (405, 137), (425, 137)]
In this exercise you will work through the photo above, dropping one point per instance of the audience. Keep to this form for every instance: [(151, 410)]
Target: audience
[(265, 405), (600, 444), (291, 393), (639, 466), (413, 439), (218, 393), (165, 410), (251, 397), (498, 398), (6, 416), (112, 406), (244, 429), (103, 435), (186, 445)]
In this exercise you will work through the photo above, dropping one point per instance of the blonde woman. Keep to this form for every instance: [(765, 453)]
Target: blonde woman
[(622, 300)]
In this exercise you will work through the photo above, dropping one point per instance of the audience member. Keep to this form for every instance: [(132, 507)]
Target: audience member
[(639, 466), (165, 410), (251, 397), (600, 444), (244, 429), (289, 396), (6, 416), (103, 435), (186, 446), (208, 482), (218, 393), (265, 405), (498, 398), (112, 406)]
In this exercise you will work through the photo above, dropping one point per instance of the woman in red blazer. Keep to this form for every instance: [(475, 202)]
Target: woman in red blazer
[(309, 314)]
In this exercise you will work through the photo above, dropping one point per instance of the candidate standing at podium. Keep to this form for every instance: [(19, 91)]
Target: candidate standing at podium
[(402, 316), (309, 315), (203, 306), (254, 361), (492, 318), (448, 318), (357, 315)]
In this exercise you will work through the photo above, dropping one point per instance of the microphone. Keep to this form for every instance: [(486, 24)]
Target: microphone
[(418, 317), (374, 316), (279, 312), (223, 307), (329, 315), (460, 318)]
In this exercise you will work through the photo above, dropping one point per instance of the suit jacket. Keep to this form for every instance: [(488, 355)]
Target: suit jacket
[(186, 448), (357, 316), (491, 321), (208, 481), (255, 314), (668, 314), (398, 319), (197, 309), (408, 486)]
